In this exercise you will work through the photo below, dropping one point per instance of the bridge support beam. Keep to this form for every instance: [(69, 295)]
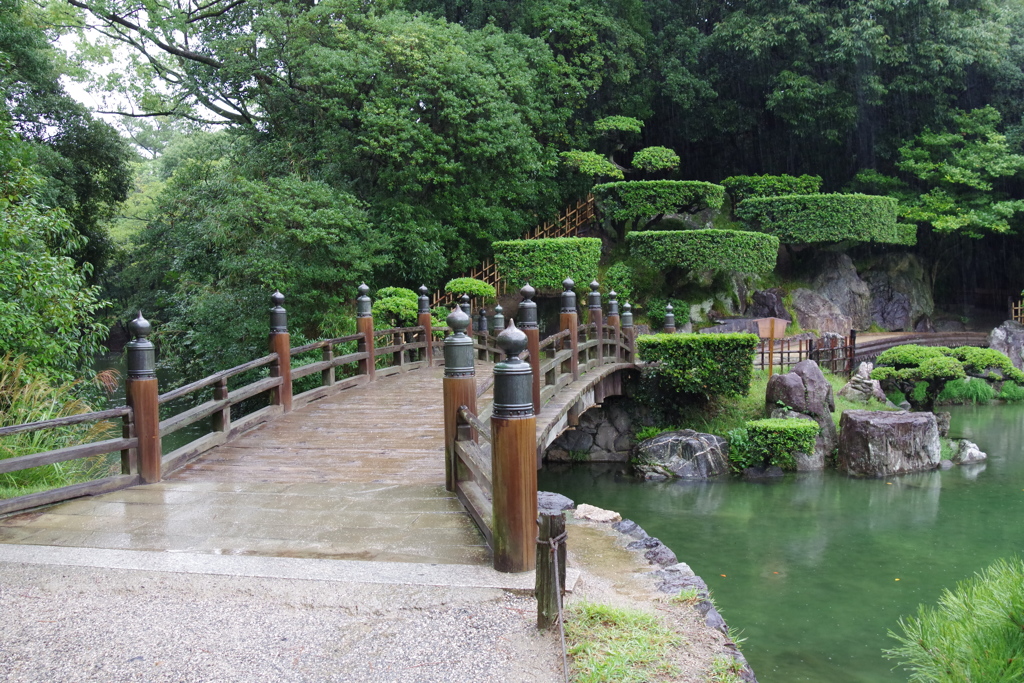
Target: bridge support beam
[(513, 464), (143, 396), (458, 386)]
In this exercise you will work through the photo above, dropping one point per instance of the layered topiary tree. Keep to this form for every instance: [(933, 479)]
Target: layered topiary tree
[(742, 187), (642, 204), (395, 307), (545, 263), (908, 367), (705, 250), (825, 218), (478, 289)]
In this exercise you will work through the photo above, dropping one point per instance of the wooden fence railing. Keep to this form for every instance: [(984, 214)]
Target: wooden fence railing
[(490, 454), (568, 223), (1016, 311)]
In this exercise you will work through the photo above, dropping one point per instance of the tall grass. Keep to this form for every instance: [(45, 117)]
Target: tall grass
[(976, 633), (29, 398)]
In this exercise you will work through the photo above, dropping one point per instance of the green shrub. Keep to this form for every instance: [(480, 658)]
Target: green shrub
[(970, 390), (619, 279), (705, 250), (1012, 392), (742, 187), (655, 159), (626, 124), (544, 263), (655, 310), (591, 164), (920, 372), (974, 634), (707, 364), (400, 292), (642, 199), (774, 441), (817, 218), (477, 289), (394, 311), (910, 355)]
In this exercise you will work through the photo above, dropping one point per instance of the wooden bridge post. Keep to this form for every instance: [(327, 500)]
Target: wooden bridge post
[(595, 317), (568, 319), (615, 322), (628, 332), (142, 393), (528, 324), (851, 351), (513, 458), (424, 320), (280, 343), (364, 326), (670, 320), (458, 386)]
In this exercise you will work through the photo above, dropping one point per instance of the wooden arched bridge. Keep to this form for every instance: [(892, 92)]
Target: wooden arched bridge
[(381, 409)]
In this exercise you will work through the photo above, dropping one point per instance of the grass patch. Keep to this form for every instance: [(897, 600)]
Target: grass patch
[(616, 645), (725, 670), (1012, 392), (970, 390), (975, 633)]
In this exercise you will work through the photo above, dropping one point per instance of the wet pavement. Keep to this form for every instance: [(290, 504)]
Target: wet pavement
[(357, 476)]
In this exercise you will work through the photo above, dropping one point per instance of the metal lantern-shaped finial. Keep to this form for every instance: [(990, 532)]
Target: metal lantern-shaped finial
[(498, 320), (670, 318), (464, 304), (424, 300), (458, 347), (594, 297), (278, 316), (627, 315), (363, 302), (527, 308), (481, 320), (513, 378), (141, 352), (613, 304), (568, 296)]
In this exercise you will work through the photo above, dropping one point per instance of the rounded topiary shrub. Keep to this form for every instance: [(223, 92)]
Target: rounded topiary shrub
[(705, 250), (545, 263), (819, 218), (641, 199), (471, 286)]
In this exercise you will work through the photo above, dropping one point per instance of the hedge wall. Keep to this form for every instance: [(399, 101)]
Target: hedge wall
[(814, 218), (709, 364), (637, 199), (775, 441), (544, 263), (742, 187), (705, 250)]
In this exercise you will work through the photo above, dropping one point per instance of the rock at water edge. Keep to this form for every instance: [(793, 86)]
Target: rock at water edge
[(685, 454), (879, 443)]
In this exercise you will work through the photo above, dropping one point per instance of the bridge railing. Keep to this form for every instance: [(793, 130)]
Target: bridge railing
[(490, 454)]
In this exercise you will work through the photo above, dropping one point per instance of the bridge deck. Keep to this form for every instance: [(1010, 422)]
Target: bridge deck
[(356, 476)]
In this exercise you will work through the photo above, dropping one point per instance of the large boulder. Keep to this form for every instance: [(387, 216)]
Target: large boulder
[(861, 387), (837, 281), (879, 443), (968, 453), (768, 303), (804, 391), (685, 454), (900, 293), (1008, 338), (815, 312)]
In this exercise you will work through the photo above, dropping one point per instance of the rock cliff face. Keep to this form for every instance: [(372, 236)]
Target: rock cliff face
[(879, 443), (837, 281), (805, 393), (900, 293), (815, 312)]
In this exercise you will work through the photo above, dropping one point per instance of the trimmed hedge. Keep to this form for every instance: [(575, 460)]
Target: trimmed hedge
[(741, 187), (544, 263), (705, 250), (987, 363), (775, 441), (655, 159), (639, 199), (816, 218), (709, 364), (471, 286)]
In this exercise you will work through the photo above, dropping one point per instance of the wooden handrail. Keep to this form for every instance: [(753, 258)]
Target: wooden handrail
[(468, 418), (67, 421), (216, 377), (313, 346)]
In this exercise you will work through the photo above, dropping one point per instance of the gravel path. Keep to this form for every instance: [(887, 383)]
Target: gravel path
[(81, 623)]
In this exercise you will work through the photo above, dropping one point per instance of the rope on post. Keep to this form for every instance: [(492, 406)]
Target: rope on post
[(550, 525)]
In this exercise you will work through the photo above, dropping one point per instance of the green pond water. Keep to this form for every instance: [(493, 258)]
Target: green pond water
[(817, 568)]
